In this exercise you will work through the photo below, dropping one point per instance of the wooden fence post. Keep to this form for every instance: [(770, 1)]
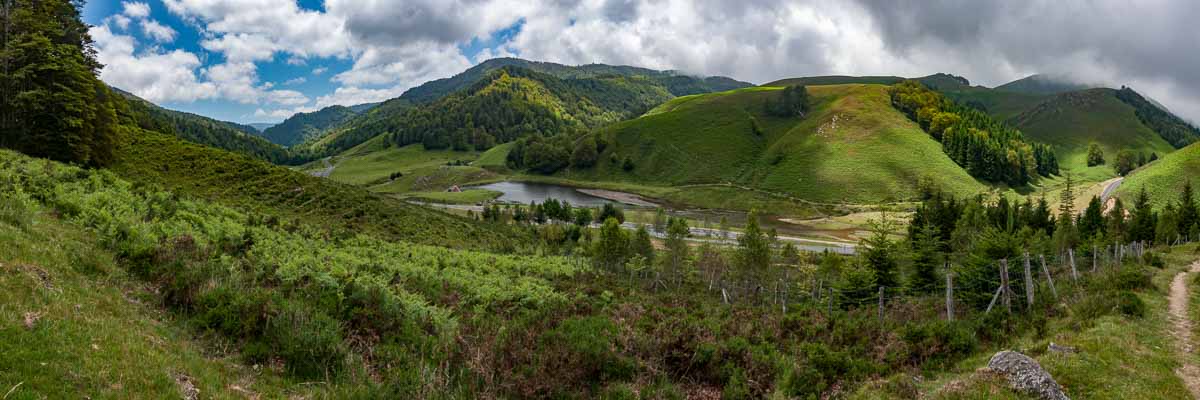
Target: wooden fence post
[(881, 304), (1095, 257), (949, 294), (1074, 272), (1028, 283), (829, 303), (994, 297), (1049, 279), (1004, 284)]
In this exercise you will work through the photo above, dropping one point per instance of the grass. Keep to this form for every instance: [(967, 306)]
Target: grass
[(1072, 121), (97, 333), (366, 166), (250, 185), (494, 157), (1164, 178), (1118, 357), (853, 147)]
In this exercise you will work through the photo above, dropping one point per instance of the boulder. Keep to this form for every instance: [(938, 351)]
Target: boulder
[(1024, 374)]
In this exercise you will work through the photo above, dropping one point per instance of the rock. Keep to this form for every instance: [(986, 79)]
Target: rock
[(1026, 375)]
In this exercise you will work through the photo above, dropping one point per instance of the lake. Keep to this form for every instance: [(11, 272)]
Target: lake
[(525, 192)]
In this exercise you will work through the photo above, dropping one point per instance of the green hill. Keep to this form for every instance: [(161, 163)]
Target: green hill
[(1041, 85), (1164, 178), (303, 126), (676, 83), (852, 147), (1072, 121), (155, 159), (242, 139)]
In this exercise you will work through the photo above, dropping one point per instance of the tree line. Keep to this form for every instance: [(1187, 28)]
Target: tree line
[(51, 103), (1175, 131), (986, 148)]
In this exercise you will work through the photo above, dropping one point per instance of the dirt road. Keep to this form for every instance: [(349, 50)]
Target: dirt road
[(1182, 323)]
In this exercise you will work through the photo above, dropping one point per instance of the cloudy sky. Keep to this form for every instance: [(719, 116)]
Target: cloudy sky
[(262, 60)]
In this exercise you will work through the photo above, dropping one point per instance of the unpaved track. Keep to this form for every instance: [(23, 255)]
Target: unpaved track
[(1182, 323)]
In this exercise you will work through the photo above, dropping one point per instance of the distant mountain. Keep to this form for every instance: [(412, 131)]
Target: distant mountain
[(932, 81), (262, 126), (1041, 85), (303, 126), (587, 94), (199, 129), (1173, 129), (678, 84)]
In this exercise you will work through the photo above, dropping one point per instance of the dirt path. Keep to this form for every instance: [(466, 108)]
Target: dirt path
[(324, 173), (1182, 324)]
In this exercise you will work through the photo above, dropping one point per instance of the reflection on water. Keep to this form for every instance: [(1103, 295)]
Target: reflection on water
[(525, 192)]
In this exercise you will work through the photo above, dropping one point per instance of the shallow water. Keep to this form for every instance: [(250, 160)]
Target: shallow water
[(525, 192)]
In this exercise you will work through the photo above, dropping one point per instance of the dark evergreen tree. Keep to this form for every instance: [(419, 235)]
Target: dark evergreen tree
[(1188, 215), (1091, 223), (926, 260), (1144, 221)]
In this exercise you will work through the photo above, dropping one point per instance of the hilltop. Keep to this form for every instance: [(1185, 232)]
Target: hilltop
[(1041, 85), (1163, 179), (852, 147), (588, 89), (304, 126)]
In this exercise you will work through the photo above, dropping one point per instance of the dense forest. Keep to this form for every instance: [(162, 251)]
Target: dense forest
[(511, 103), (1175, 131), (305, 126), (988, 149), (51, 103), (206, 131)]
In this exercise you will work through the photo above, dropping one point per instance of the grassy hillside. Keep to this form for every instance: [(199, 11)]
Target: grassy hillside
[(303, 126), (853, 147), (1040, 85), (1164, 178), (242, 139), (1071, 121), (73, 323), (677, 84), (156, 159)]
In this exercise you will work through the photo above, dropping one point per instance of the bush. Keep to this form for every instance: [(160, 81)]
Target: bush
[(820, 368), (1132, 278), (308, 341), (1153, 259), (1130, 304), (589, 344), (236, 312), (937, 342), (15, 211)]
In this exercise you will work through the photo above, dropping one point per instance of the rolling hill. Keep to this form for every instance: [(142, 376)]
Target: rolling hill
[(1041, 85), (242, 139), (587, 83), (1071, 121), (1164, 178), (852, 147), (303, 126)]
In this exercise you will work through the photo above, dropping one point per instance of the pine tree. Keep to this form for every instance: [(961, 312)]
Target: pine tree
[(925, 260), (52, 104), (1188, 215), (1117, 227), (1065, 234), (641, 245), (754, 252), (676, 244), (1091, 223), (880, 255), (612, 246), (1143, 224)]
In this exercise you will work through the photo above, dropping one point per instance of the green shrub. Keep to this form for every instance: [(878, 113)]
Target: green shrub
[(1153, 259), (1132, 278), (1130, 304), (736, 388), (937, 342), (820, 368), (308, 341), (591, 342), (16, 210), (239, 313), (618, 392)]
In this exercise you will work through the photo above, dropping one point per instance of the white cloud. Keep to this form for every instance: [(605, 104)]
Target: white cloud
[(295, 81), (287, 97), (349, 95), (319, 70), (160, 33), (242, 46), (119, 20), (296, 61), (136, 9), (157, 77)]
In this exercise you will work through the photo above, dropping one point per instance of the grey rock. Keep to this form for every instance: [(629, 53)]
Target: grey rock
[(1056, 348), (1024, 374)]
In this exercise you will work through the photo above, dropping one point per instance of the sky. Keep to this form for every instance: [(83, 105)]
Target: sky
[(264, 60)]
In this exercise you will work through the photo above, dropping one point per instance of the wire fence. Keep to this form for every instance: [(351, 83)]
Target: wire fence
[(1037, 275)]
